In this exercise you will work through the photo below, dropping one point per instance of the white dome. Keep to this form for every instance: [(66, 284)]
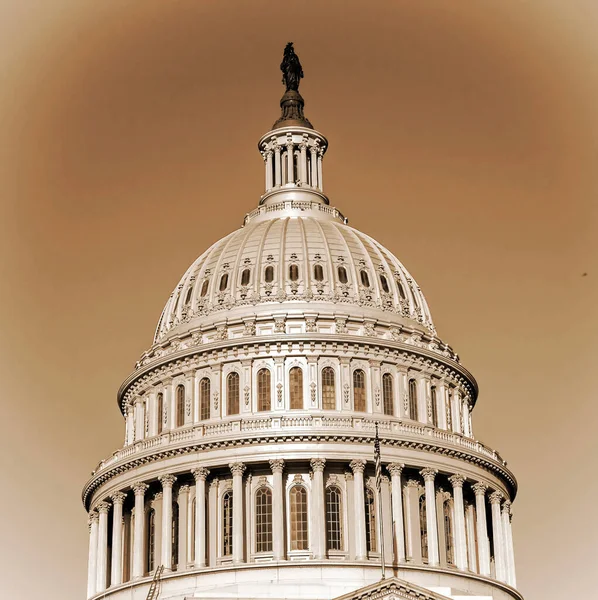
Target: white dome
[(300, 254)]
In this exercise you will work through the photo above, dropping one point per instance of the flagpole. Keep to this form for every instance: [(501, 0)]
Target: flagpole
[(377, 459)]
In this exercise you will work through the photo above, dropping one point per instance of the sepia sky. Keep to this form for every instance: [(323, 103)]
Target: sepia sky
[(463, 136)]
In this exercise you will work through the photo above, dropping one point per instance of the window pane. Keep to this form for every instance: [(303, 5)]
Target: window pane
[(359, 390), (299, 533), (342, 275), (160, 412), (370, 521), (224, 282), (387, 393), (293, 272), (263, 390), (204, 287), (245, 277), (334, 529), (204, 399), (269, 274), (232, 394), (318, 273), (328, 391), (365, 280), (296, 388), (263, 520), (384, 284), (423, 527), (433, 400), (227, 524), (188, 295)]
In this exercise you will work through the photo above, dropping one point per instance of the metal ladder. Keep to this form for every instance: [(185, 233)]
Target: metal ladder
[(152, 593)]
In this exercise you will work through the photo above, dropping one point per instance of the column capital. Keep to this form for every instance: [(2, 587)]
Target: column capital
[(317, 464), (237, 468), (348, 475), (428, 473), (200, 473), (184, 489), (496, 497), (139, 488), (413, 483), (357, 465), (395, 468), (277, 465), (506, 507), (167, 481), (103, 507), (457, 480), (118, 497), (157, 497), (94, 517), (479, 488), (214, 483)]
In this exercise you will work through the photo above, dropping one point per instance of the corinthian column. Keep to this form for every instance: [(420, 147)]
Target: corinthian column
[(498, 536), (139, 490), (358, 467), (200, 475), (92, 561), (237, 469), (116, 575), (102, 508), (395, 470), (460, 539), (479, 489), (183, 501), (167, 482), (470, 531), (317, 465), (277, 466), (508, 533), (429, 475)]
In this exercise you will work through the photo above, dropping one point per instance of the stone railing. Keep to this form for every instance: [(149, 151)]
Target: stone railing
[(241, 426), (294, 205)]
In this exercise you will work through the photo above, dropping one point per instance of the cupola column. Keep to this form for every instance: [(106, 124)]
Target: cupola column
[(268, 170), (460, 534), (116, 575), (320, 181), (314, 165), (431, 523), (317, 464), (167, 482), (237, 469), (139, 419), (509, 555), (102, 572), (92, 561), (498, 536), (277, 466), (479, 489), (130, 425), (200, 474), (395, 470), (290, 160), (303, 162), (358, 467), (139, 490), (277, 166)]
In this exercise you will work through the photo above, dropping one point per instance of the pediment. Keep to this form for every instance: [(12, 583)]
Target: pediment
[(392, 589)]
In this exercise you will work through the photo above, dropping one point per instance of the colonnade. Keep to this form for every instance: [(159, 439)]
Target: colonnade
[(414, 517)]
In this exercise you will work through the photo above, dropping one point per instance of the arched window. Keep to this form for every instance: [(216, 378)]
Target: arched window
[(180, 405), (151, 541), (175, 534), (328, 390), (359, 390), (204, 399), (318, 273), (204, 288), (334, 516), (415, 295), (245, 277), (263, 390), (370, 521), (223, 282), (293, 272), (365, 280), (298, 506), (263, 520), (269, 274), (413, 399), (188, 295), (423, 527), (401, 288), (434, 407), (296, 388), (232, 394), (227, 523), (160, 401), (448, 533), (387, 394), (342, 275), (384, 284)]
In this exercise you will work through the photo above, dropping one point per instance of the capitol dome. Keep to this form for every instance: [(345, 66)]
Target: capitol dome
[(297, 429)]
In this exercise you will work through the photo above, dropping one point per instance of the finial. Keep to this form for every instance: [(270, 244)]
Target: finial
[(291, 103)]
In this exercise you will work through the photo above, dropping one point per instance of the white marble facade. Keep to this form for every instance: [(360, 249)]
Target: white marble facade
[(247, 464)]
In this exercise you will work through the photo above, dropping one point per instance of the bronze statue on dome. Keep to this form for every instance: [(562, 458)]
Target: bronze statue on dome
[(290, 66)]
